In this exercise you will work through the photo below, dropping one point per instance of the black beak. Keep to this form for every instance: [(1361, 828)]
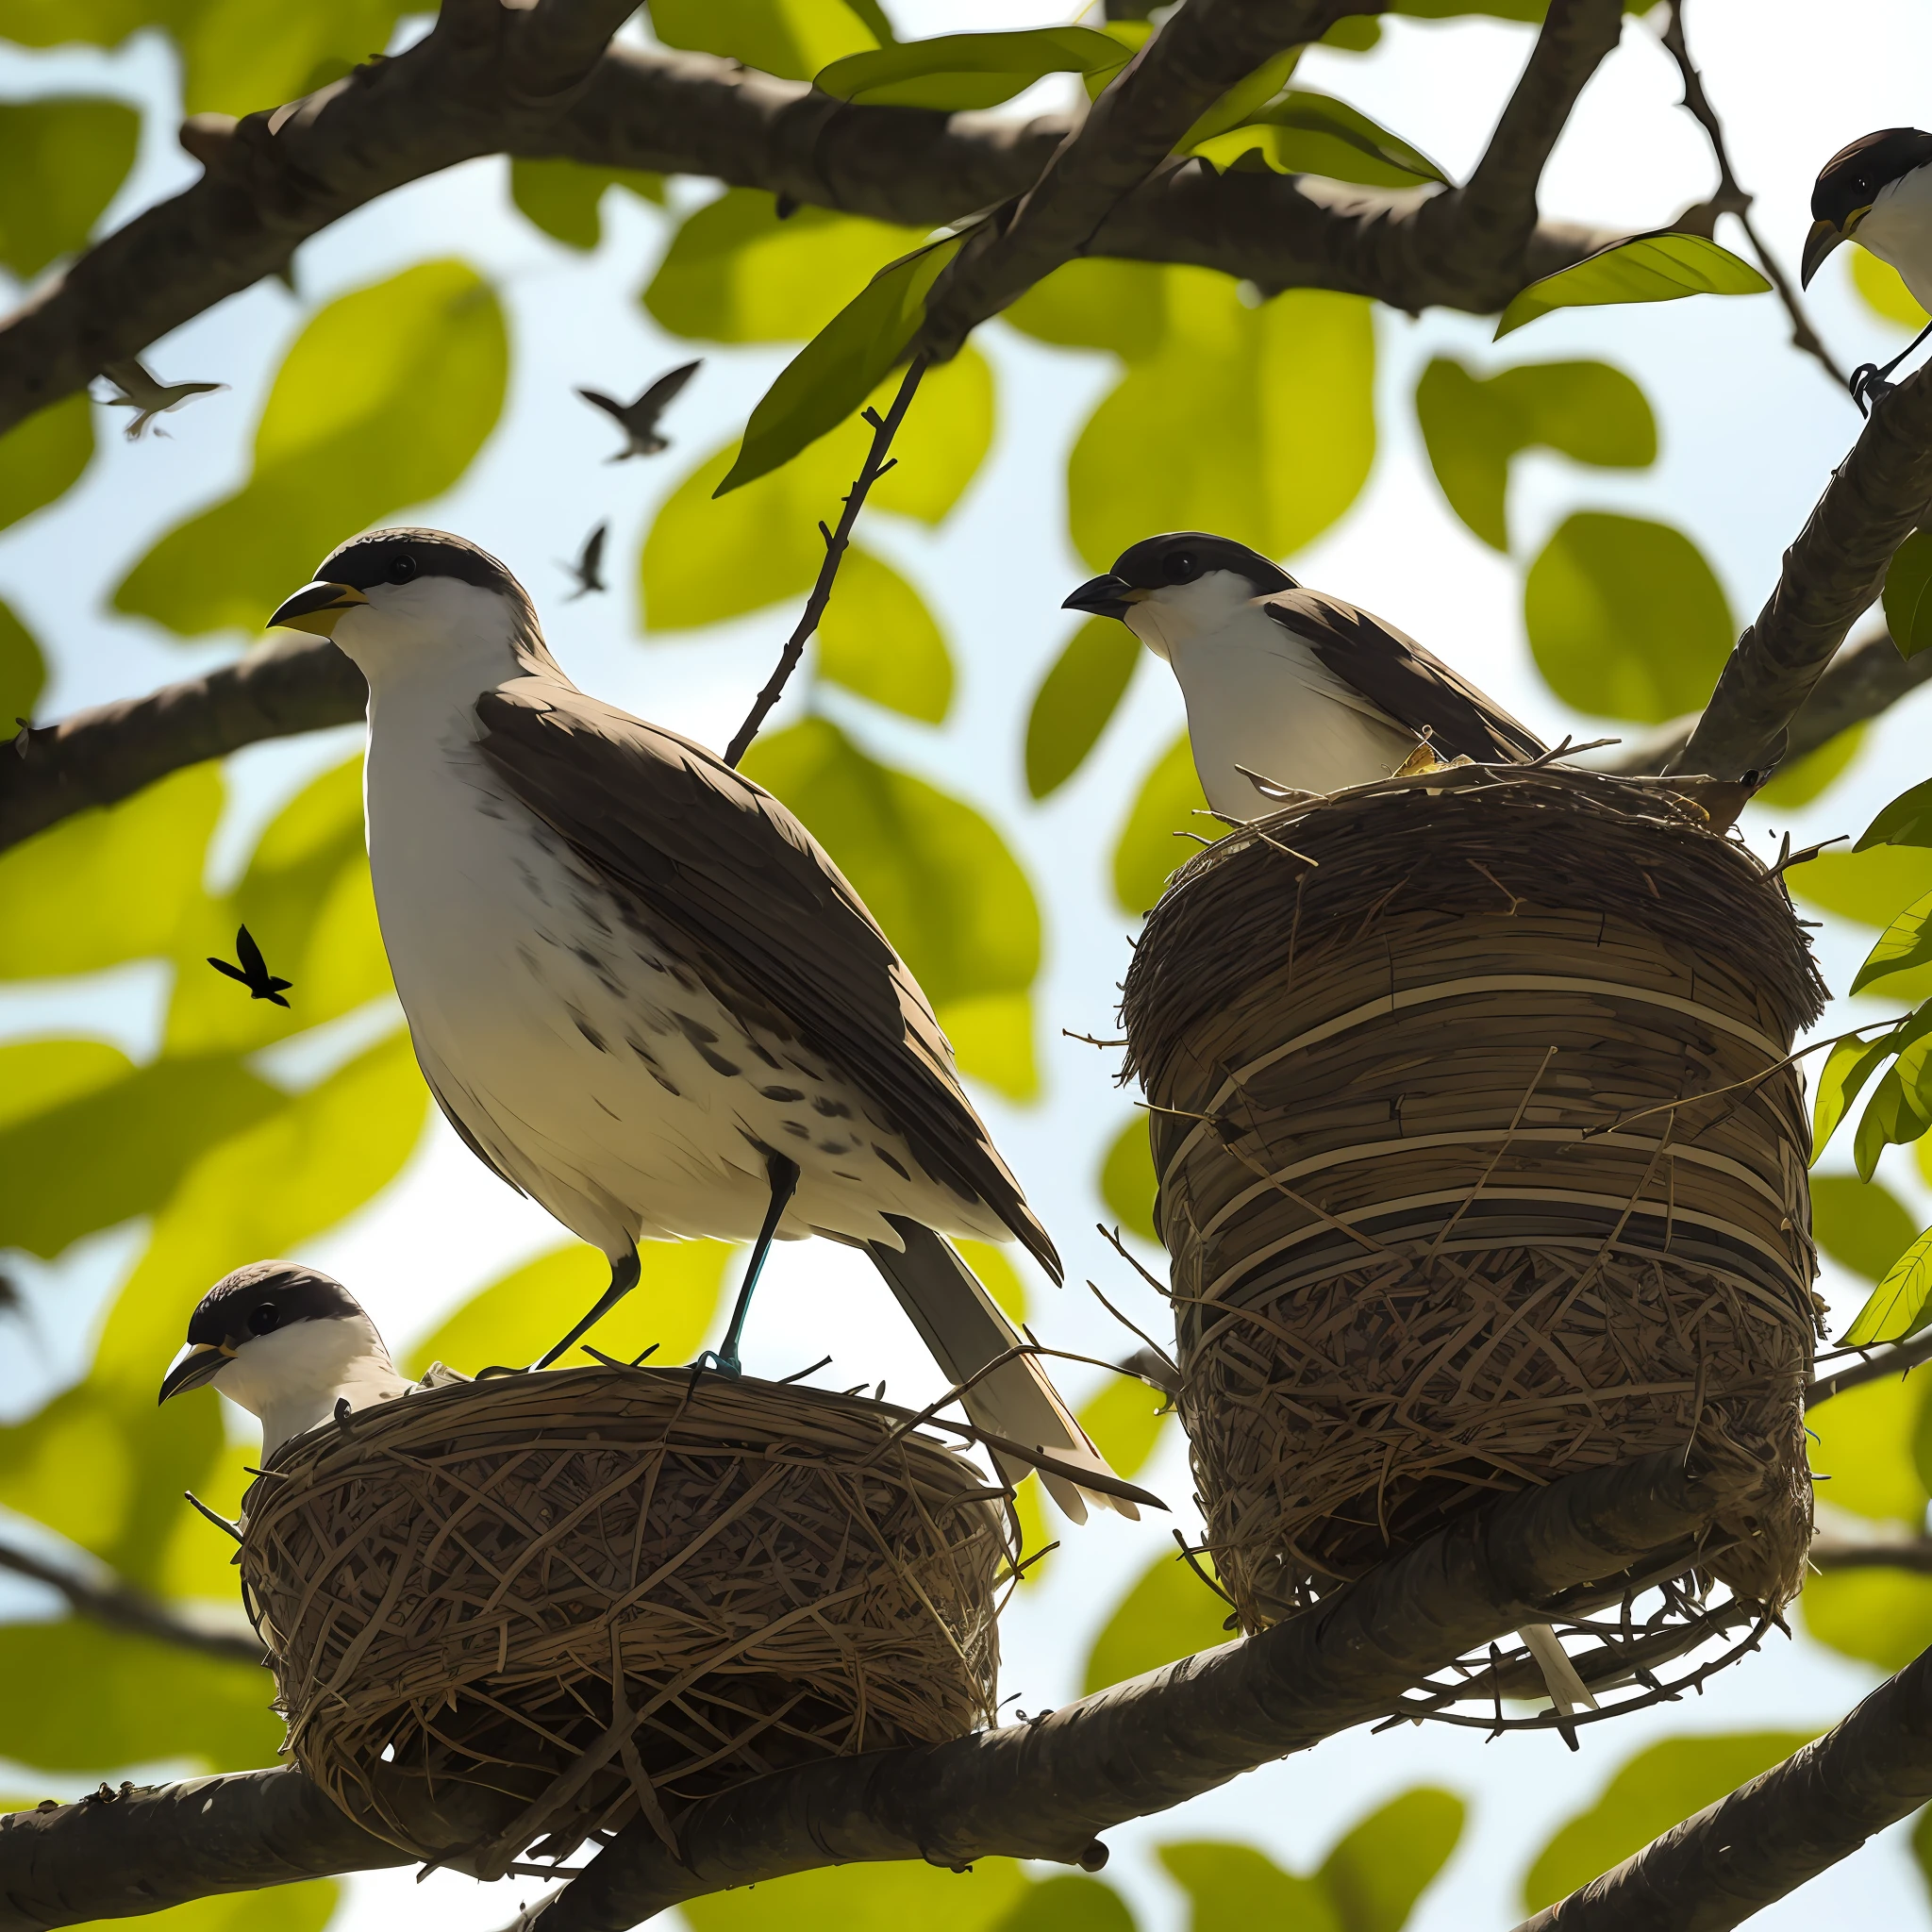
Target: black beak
[(1823, 238), (316, 607), (197, 1369), (1107, 596)]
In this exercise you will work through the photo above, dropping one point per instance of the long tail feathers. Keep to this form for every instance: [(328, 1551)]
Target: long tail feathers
[(965, 1328)]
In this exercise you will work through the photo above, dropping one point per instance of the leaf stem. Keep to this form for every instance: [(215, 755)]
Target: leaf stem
[(878, 461)]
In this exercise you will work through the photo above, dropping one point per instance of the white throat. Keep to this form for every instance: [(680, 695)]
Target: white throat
[(1178, 615), (1899, 231), (293, 1379), (438, 639)]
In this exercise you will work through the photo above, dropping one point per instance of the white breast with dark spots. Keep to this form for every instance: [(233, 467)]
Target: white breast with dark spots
[(589, 1060)]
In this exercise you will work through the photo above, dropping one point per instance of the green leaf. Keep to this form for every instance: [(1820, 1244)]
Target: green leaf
[(240, 55), (1882, 1617), (83, 1698), (1380, 1869), (965, 71), (792, 38), (1847, 1067), (102, 1156), (992, 1040), (736, 273), (878, 639), (1096, 302), (1807, 778), (1657, 1788), (1661, 267), (1168, 1613), (829, 379), (23, 671), (1076, 700), (1906, 821), (1626, 619), (381, 402), (1908, 610), (1126, 1420), (1884, 292), (1309, 133), (1897, 1306), (62, 157), (1230, 1885), (60, 22), (282, 1908), (937, 877), (1890, 1118), (705, 560), (1864, 1444), (65, 889), (1168, 803), (897, 1897), (998, 1274), (1071, 1903), (563, 198), (1867, 887), (1263, 420), (1243, 101), (1860, 1225), (43, 456), (1907, 943), (1128, 1183), (1475, 427), (514, 1320)]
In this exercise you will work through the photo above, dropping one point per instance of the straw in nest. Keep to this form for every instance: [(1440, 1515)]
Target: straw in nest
[(606, 1592), (1481, 1163)]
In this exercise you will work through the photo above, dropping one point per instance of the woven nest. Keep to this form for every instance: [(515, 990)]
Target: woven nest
[(1480, 1164), (604, 1593)]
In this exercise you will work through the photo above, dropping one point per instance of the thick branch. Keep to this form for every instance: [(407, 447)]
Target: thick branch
[(1831, 573), (1041, 1790), (1901, 1360), (1765, 1839), (123, 1608), (109, 753), (1863, 680), (1890, 1553)]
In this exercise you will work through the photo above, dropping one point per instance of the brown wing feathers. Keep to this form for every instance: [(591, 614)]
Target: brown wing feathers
[(1399, 676), (723, 867)]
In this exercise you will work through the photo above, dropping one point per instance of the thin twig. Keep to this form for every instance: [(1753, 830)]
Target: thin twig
[(1731, 198), (121, 1606), (1908, 1354), (878, 461)]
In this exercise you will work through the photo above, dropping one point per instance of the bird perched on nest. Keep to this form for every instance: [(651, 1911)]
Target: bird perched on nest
[(644, 995), (1287, 685), (289, 1344), (638, 420), (1878, 191)]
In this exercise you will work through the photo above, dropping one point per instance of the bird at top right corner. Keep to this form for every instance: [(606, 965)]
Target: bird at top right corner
[(1878, 193)]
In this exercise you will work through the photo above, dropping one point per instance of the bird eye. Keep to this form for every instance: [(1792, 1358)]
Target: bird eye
[(265, 1319), (1183, 567), (402, 567)]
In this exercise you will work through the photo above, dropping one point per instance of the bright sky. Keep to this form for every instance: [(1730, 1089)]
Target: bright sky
[(1750, 432)]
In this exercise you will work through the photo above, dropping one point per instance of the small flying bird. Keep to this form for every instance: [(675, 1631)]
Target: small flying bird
[(1288, 687), (289, 1343), (588, 569), (147, 397), (1878, 191), (644, 995), (252, 972), (638, 420)]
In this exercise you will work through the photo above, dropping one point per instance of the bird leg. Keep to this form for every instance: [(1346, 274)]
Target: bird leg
[(783, 1175), (1869, 384), (624, 1277)]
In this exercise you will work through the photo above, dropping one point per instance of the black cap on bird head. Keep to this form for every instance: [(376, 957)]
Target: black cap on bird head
[(256, 1300), (1180, 556), (1852, 181), (350, 573)]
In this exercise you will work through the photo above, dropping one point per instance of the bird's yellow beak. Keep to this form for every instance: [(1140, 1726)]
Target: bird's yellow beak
[(1822, 239), (317, 607), (198, 1367)]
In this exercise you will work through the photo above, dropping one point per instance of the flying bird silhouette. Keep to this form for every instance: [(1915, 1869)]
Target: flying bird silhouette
[(589, 567), (147, 397), (638, 420), (252, 972)]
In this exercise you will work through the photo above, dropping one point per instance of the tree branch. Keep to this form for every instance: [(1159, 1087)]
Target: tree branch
[(121, 1606), (1900, 1360), (1890, 1553), (1765, 1839), (99, 755), (1041, 1790), (1831, 573), (1863, 681)]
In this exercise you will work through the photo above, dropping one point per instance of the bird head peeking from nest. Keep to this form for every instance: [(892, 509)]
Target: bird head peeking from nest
[(1286, 684), (1878, 193), (288, 1343)]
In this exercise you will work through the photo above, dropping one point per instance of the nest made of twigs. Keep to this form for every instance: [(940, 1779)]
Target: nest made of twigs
[(1481, 1163), (605, 1593)]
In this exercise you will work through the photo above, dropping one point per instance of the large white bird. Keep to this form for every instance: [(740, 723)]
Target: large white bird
[(1291, 686), (644, 995)]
